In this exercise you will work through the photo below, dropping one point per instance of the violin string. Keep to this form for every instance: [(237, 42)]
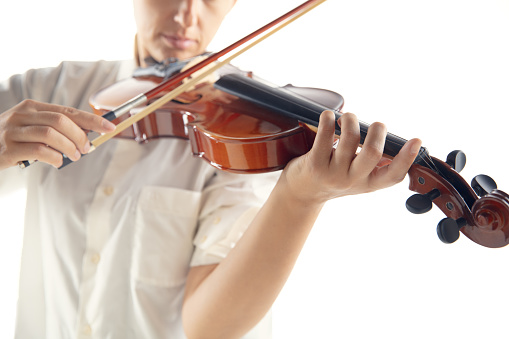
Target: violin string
[(424, 156), (428, 160)]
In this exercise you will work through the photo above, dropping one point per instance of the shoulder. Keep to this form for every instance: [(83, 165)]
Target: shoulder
[(74, 69), (71, 83), (41, 83)]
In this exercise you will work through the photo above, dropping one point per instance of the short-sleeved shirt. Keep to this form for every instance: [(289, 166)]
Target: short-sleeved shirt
[(109, 240)]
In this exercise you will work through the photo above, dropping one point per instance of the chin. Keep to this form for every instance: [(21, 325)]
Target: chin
[(181, 54)]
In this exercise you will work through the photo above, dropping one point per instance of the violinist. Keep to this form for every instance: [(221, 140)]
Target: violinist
[(146, 241)]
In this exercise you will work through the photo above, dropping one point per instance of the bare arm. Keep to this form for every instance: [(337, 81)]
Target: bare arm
[(226, 300)]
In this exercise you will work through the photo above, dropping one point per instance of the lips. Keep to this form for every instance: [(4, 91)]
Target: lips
[(179, 42)]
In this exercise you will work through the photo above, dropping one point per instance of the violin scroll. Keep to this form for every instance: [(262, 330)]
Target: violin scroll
[(480, 211), (491, 217)]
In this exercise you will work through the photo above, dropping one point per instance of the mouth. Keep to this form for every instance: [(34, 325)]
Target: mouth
[(179, 42)]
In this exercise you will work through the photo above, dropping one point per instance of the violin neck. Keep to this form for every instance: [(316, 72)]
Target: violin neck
[(294, 106)]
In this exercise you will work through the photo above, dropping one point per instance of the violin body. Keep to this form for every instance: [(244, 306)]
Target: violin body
[(226, 131)]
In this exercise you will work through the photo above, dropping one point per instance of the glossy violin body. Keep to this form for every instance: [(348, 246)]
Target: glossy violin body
[(230, 133), (242, 125)]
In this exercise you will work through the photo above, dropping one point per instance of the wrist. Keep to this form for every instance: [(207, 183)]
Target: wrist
[(296, 198)]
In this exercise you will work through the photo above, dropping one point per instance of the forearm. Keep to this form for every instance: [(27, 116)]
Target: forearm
[(241, 289), (227, 301)]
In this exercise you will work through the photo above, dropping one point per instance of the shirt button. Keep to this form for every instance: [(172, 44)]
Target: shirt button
[(108, 190), (86, 330), (217, 220), (95, 258)]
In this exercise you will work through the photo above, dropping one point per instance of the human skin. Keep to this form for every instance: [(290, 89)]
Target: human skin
[(227, 299)]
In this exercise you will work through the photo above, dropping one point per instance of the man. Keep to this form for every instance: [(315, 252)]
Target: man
[(116, 247)]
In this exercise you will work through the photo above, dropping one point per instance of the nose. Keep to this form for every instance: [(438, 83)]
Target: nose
[(187, 12)]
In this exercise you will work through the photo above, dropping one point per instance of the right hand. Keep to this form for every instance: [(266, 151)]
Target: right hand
[(39, 131)]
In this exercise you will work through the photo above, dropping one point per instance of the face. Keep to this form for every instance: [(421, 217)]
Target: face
[(177, 28)]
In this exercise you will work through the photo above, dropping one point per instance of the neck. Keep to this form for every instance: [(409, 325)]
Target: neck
[(295, 106)]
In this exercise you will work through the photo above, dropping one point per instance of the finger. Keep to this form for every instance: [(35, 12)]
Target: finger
[(384, 161), (398, 168), (36, 151), (83, 119), (371, 151), (92, 122), (349, 139), (406, 156), (324, 141), (49, 136), (45, 124)]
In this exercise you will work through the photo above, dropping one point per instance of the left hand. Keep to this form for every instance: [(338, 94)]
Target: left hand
[(325, 173)]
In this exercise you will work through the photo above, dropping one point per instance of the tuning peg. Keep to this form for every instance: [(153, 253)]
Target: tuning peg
[(457, 160), (448, 229), (483, 184), (422, 203)]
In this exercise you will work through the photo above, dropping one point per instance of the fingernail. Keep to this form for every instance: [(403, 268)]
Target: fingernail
[(328, 114), (77, 155), (86, 148), (108, 125), (415, 149)]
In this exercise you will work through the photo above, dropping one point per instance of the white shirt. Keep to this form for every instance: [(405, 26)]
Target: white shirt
[(108, 241)]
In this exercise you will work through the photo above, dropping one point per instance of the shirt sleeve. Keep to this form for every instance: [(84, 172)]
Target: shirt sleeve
[(229, 204), (12, 91), (71, 83), (36, 84)]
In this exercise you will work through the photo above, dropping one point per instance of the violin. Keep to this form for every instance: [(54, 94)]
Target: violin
[(241, 124), (231, 134)]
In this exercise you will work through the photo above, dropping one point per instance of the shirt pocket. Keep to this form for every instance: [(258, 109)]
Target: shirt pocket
[(165, 224)]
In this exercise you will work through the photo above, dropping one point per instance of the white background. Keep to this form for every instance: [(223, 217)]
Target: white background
[(435, 69)]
